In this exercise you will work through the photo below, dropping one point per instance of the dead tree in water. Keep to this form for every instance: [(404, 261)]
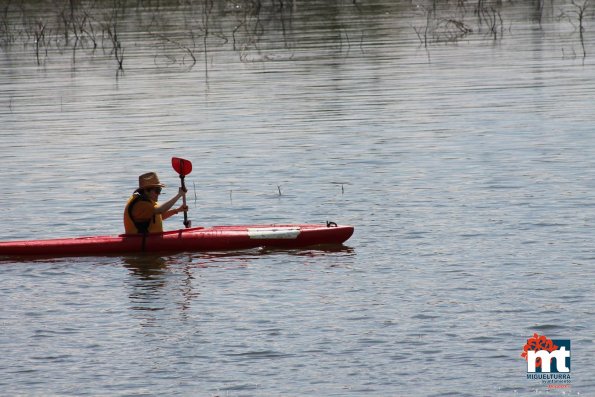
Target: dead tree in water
[(117, 49), (578, 12), (111, 29), (39, 37)]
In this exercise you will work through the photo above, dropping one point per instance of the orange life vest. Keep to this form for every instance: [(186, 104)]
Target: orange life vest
[(152, 224)]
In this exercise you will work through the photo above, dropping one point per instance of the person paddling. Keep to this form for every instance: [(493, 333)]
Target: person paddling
[(143, 214)]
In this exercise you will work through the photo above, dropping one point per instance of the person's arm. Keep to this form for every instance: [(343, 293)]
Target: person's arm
[(165, 207), (173, 212)]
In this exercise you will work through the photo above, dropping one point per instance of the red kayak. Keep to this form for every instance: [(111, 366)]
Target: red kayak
[(191, 239)]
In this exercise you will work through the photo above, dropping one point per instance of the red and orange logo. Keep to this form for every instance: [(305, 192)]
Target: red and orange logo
[(537, 343)]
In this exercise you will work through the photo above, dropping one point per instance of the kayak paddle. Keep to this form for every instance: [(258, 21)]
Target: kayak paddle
[(183, 168)]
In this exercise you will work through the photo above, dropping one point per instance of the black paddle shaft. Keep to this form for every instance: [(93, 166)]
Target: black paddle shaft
[(187, 223)]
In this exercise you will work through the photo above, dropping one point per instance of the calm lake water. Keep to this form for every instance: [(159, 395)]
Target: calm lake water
[(467, 167)]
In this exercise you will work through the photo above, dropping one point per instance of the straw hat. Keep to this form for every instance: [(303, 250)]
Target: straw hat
[(149, 180)]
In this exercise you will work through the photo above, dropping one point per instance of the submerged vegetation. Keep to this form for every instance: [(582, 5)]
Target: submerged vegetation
[(183, 32)]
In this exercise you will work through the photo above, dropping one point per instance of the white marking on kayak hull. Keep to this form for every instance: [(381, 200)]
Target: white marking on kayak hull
[(273, 233)]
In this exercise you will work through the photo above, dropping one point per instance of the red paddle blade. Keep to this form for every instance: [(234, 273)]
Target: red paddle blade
[(182, 167)]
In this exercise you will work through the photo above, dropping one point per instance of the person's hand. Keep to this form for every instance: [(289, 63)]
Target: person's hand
[(182, 191), (182, 208)]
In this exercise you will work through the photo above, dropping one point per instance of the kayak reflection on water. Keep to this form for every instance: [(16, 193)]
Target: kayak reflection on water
[(146, 267), (159, 284)]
